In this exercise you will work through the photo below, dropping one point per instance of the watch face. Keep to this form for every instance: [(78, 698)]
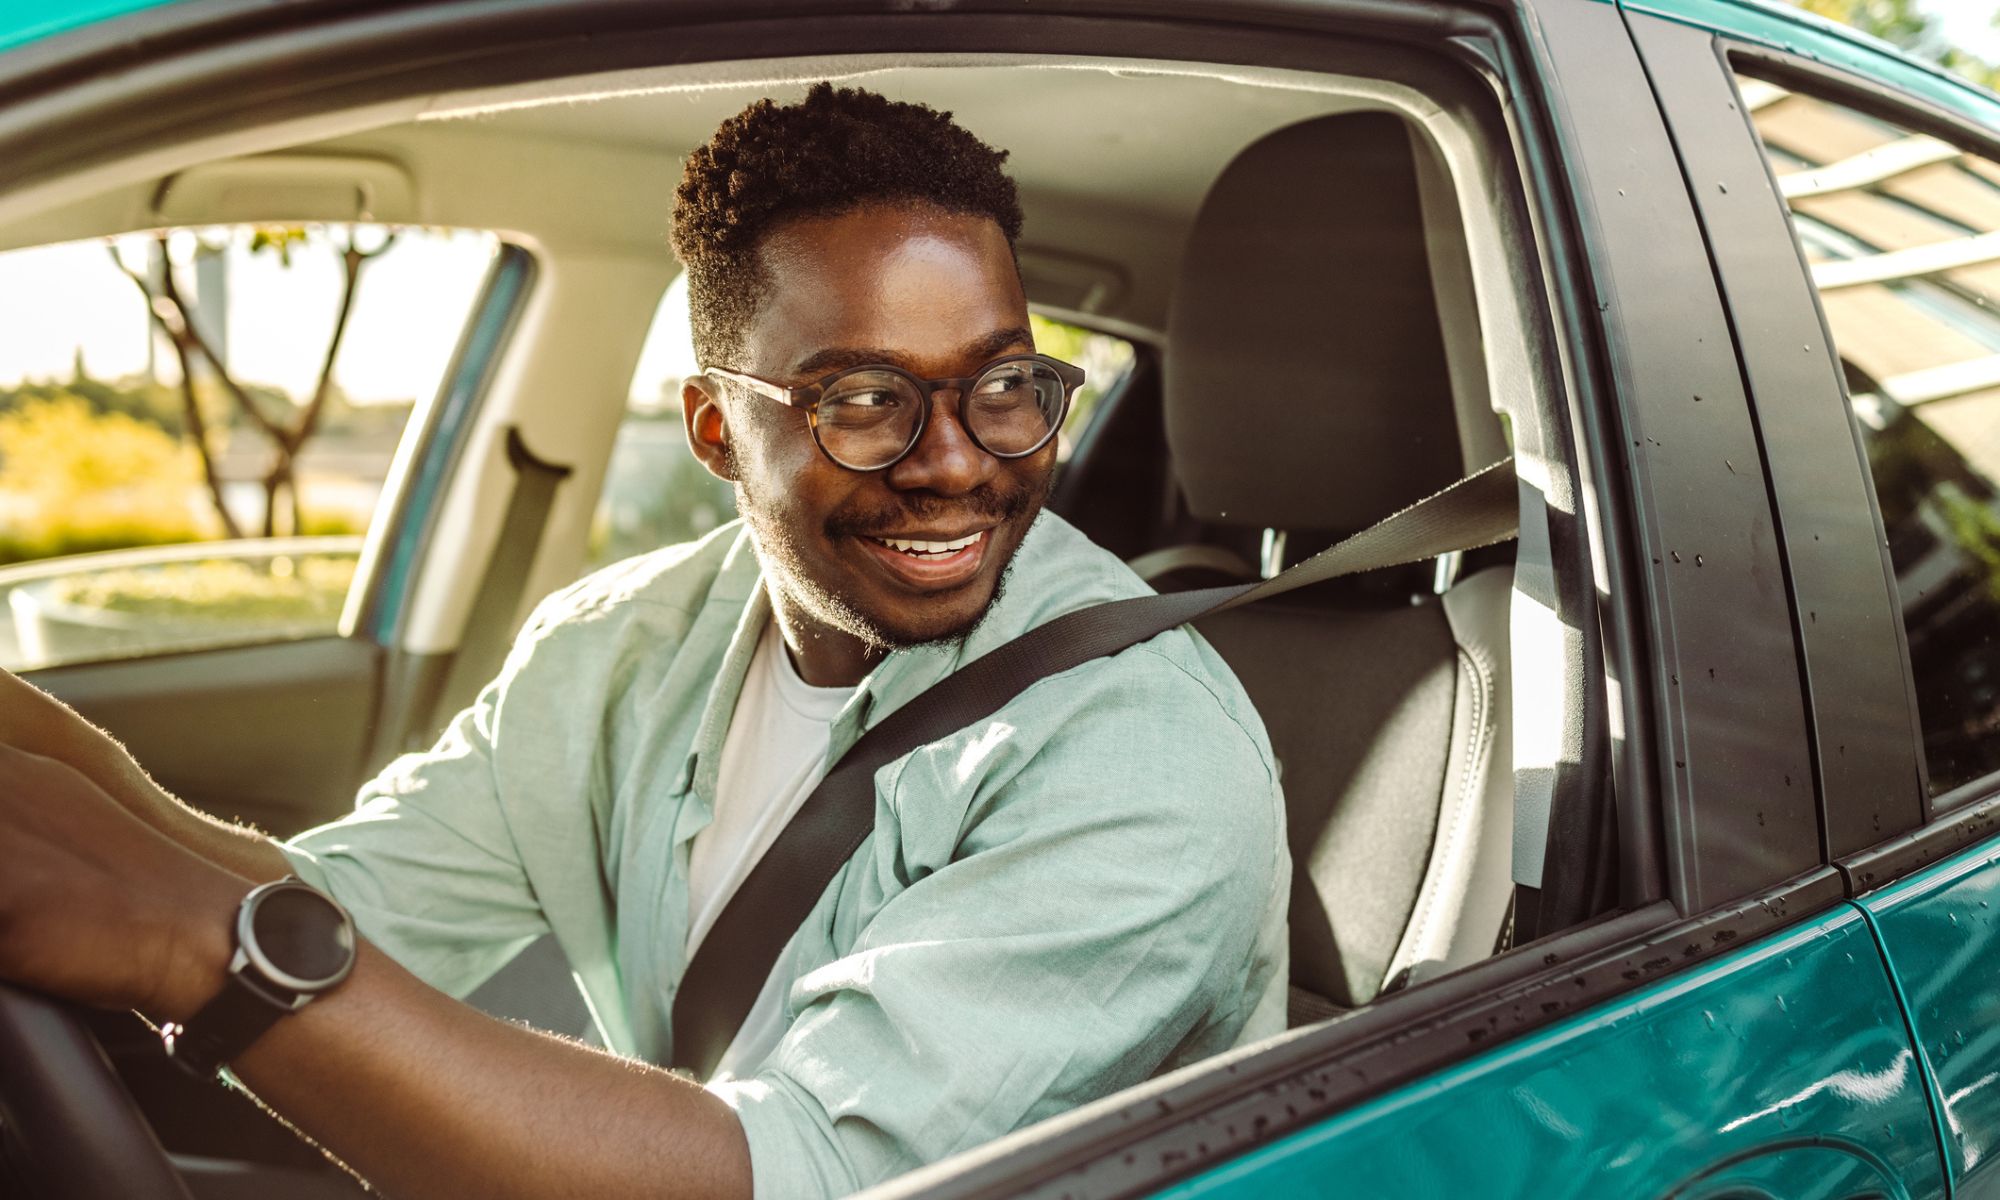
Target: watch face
[(303, 934)]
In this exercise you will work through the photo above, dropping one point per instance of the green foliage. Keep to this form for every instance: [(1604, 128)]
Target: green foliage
[(1104, 360), (73, 479), (1975, 527), (280, 238), (1904, 24)]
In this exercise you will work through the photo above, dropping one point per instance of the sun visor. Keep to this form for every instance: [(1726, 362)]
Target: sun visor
[(289, 187)]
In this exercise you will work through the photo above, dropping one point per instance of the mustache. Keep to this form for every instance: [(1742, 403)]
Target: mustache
[(987, 501)]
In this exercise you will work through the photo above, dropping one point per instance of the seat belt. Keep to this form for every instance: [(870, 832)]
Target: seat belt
[(489, 627), (736, 957)]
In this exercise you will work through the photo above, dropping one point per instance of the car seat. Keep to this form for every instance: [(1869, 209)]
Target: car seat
[(1306, 396)]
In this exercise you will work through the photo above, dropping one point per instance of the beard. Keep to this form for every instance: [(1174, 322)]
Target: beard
[(789, 567)]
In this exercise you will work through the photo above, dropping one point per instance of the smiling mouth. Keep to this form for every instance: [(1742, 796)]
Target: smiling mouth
[(923, 549), (928, 564)]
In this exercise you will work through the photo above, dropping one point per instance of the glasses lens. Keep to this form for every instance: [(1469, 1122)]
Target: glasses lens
[(1015, 406), (868, 418)]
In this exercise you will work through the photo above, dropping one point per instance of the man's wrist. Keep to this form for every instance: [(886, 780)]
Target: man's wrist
[(199, 938)]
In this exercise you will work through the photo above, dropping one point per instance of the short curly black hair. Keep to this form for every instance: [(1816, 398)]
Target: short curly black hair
[(833, 152)]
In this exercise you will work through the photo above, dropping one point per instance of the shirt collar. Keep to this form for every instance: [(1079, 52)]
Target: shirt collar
[(1025, 601)]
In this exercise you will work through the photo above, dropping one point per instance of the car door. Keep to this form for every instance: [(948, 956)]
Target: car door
[(1891, 176), (249, 671), (270, 721)]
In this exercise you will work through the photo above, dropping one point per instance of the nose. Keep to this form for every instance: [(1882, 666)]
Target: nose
[(945, 459)]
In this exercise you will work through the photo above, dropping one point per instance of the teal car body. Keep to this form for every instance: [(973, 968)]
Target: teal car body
[(1818, 1019)]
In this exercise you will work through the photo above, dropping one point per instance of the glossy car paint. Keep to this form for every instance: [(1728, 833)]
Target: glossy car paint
[(24, 21), (1782, 1070), (1941, 929)]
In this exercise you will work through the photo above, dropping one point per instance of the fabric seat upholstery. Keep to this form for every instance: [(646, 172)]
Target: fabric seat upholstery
[(1306, 391)]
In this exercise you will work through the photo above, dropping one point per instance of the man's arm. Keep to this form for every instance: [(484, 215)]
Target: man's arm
[(421, 1094), (34, 721)]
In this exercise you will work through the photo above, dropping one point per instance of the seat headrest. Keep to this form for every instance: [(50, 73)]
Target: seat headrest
[(1306, 385)]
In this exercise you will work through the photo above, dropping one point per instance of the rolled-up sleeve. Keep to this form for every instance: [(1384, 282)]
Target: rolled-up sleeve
[(1108, 903), (427, 862)]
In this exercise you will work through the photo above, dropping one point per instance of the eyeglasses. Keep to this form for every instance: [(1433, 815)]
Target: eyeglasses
[(868, 418)]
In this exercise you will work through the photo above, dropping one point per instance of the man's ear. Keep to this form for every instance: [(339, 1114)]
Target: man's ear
[(707, 425)]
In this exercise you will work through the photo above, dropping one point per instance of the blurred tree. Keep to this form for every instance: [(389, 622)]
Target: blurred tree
[(1905, 24), (175, 315)]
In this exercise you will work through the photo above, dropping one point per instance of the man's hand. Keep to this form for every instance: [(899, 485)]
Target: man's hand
[(34, 721), (97, 906), (420, 1093)]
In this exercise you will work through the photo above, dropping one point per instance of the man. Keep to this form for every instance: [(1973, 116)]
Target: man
[(1063, 900)]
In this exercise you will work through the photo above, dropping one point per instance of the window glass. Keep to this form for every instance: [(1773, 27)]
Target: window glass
[(195, 425), (1900, 232), (656, 494)]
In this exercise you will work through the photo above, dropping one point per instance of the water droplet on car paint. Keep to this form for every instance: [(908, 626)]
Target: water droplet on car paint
[(1675, 554), (1697, 560), (1710, 1018), (1711, 672), (1697, 399), (1782, 1006)]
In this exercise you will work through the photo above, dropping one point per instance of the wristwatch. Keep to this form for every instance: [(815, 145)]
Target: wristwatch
[(293, 943)]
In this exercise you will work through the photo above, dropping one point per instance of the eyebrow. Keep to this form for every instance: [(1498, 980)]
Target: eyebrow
[(839, 358)]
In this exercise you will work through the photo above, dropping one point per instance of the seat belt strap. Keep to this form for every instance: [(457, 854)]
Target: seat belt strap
[(489, 627), (729, 970)]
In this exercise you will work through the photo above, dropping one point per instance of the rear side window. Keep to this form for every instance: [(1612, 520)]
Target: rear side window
[(196, 425), (1902, 234)]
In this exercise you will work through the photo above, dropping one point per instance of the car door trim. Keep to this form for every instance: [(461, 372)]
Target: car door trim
[(1970, 813), (1840, 587), (1145, 1138)]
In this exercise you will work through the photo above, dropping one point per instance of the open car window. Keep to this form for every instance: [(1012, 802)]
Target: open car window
[(196, 425)]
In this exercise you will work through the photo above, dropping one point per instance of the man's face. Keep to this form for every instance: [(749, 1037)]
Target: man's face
[(937, 295)]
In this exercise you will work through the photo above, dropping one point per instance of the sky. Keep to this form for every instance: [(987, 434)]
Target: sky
[(408, 314), (1968, 23), (409, 311)]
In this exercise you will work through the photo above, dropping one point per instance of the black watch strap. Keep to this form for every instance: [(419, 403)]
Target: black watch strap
[(225, 1027)]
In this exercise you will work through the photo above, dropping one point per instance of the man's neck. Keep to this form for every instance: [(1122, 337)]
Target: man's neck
[(824, 656)]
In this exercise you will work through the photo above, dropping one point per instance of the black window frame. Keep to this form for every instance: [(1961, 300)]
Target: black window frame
[(1896, 832)]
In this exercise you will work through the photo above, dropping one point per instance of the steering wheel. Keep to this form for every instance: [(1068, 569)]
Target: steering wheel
[(72, 1123)]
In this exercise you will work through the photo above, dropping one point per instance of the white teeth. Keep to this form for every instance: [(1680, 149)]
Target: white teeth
[(913, 546)]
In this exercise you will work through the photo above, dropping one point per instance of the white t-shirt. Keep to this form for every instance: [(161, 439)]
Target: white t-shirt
[(772, 758)]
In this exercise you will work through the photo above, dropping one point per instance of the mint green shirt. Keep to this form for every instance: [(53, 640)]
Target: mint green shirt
[(1082, 891)]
